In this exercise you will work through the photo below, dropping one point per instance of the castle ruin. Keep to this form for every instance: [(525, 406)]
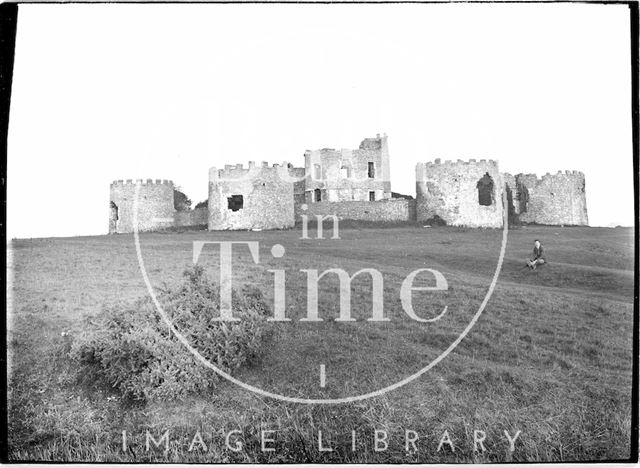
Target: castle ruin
[(355, 184), (460, 193)]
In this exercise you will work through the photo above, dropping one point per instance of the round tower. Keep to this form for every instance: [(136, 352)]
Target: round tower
[(155, 205), (460, 193)]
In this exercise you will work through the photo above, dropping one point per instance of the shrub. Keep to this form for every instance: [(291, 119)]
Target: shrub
[(131, 348), (180, 201), (436, 220)]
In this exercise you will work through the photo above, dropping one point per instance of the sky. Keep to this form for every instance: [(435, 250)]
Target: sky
[(107, 92)]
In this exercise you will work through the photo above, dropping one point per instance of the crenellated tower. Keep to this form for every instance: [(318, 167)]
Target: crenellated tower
[(155, 205), (461, 193)]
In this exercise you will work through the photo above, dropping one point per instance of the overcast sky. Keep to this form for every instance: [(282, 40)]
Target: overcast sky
[(105, 92)]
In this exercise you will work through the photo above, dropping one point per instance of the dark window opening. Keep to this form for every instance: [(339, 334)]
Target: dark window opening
[(485, 190), (235, 202), (372, 196), (317, 195), (522, 196), (372, 170), (113, 216), (114, 210)]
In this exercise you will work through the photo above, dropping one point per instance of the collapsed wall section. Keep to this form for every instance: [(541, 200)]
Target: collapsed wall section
[(257, 197), (462, 193), (155, 205)]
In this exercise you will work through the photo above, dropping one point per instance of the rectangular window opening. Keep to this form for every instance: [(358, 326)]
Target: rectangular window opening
[(372, 196), (235, 202), (372, 170)]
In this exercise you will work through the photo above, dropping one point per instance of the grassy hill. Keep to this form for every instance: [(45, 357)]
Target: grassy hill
[(551, 356)]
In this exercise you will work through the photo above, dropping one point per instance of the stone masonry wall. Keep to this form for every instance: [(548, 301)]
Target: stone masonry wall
[(553, 199), (267, 197), (344, 175), (155, 205), (449, 190), (391, 210), (195, 217)]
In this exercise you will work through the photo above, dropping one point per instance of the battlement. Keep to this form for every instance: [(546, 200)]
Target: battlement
[(560, 176), (142, 182), (236, 171), (450, 163), (437, 166)]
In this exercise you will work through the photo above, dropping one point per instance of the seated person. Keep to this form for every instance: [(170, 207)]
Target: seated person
[(538, 257)]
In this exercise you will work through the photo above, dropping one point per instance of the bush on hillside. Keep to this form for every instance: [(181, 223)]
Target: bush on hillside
[(130, 347)]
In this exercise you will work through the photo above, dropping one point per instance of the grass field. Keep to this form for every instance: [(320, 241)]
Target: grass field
[(551, 356)]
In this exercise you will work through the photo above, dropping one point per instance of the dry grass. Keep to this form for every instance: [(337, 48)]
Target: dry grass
[(551, 355)]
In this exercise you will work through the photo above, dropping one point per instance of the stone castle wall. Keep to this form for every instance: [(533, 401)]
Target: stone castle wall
[(194, 217), (552, 199), (155, 205), (391, 210), (449, 191), (266, 194)]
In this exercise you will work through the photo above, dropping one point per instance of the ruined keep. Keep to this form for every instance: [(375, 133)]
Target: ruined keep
[(257, 197), (349, 175), (355, 184), (460, 193)]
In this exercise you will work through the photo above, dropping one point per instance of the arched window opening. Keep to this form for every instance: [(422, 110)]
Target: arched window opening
[(317, 194), (113, 216), (485, 190)]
